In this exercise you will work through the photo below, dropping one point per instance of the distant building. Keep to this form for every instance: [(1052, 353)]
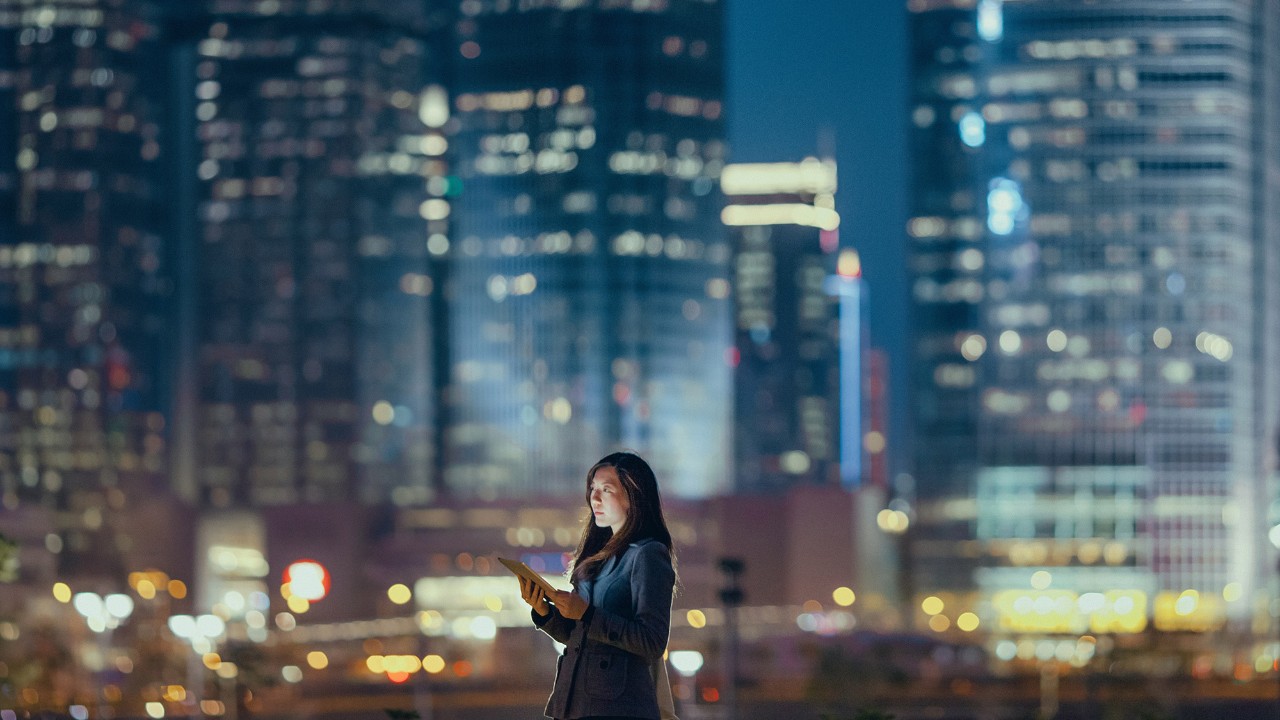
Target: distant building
[(589, 277), (1094, 249), (792, 317), (316, 198), (83, 260)]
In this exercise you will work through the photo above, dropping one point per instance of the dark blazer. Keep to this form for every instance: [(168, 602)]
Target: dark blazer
[(608, 655)]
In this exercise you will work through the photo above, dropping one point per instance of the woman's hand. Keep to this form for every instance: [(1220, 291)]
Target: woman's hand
[(534, 595), (570, 604)]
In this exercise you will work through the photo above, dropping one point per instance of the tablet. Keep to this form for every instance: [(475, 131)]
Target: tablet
[(526, 572)]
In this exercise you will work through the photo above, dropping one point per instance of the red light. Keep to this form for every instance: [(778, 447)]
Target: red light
[(732, 357), (621, 393), (398, 676), (307, 579), (1137, 412), (710, 695)]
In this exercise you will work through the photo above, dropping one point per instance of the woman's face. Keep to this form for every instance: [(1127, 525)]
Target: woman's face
[(609, 502)]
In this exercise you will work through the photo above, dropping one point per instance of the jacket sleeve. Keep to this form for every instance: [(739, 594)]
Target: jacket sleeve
[(652, 583), (554, 624)]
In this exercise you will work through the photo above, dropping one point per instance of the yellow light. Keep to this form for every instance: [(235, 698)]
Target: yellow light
[(697, 619), (376, 664), (873, 442), (317, 660), (433, 664), (932, 605), (177, 589), (493, 603), (843, 596), (298, 605), (1123, 611), (155, 709), (1041, 579), (812, 176), (1162, 338), (968, 622), (780, 214), (175, 693), (399, 593), (849, 264), (939, 623), (1232, 592), (146, 589), (383, 413), (62, 592), (211, 660)]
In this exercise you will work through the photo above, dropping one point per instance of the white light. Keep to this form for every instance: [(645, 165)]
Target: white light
[(210, 626), (1274, 536), (1010, 342), (433, 107), (1091, 602), (120, 606), (155, 710), (184, 626), (483, 628), (87, 604), (973, 129), (686, 662), (990, 20), (1004, 205), (1006, 650)]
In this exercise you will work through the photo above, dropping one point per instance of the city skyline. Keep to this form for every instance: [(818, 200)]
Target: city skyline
[(311, 309)]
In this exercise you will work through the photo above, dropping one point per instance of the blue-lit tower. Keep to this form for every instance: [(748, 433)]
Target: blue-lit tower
[(1093, 249), (588, 292)]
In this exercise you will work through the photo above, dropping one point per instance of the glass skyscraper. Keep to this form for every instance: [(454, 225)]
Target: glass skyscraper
[(788, 386), (314, 139), (1093, 249), (588, 288), (82, 262)]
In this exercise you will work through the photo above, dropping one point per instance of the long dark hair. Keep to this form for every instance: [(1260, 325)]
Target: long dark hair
[(644, 517)]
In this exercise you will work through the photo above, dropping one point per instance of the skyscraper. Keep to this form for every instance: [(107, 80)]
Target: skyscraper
[(788, 383), (1094, 252), (314, 137), (588, 282), (82, 264)]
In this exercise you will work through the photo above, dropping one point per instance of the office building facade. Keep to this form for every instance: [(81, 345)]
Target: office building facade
[(1093, 251), (588, 290), (313, 134), (789, 308), (82, 266)]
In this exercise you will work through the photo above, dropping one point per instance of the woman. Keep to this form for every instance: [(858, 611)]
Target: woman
[(614, 624)]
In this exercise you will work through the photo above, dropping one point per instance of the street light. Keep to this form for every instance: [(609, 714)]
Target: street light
[(102, 615), (202, 633)]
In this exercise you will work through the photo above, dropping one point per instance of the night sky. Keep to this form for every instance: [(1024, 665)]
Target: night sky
[(803, 76)]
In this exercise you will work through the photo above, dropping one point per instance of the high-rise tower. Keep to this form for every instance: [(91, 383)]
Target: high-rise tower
[(789, 392), (1094, 252), (588, 294), (82, 262), (315, 143)]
